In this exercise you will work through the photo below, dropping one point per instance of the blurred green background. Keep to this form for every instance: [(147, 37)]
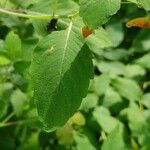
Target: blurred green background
[(115, 115)]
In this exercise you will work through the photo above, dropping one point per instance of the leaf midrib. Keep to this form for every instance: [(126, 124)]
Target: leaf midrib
[(65, 49)]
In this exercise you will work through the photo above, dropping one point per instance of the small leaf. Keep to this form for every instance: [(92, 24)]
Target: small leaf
[(101, 83), (5, 93), (104, 119), (12, 45), (77, 119), (100, 39), (18, 100), (117, 54), (115, 30), (134, 71), (82, 141), (115, 140), (127, 88), (98, 12), (89, 102), (144, 61), (4, 60), (112, 68), (111, 97), (145, 4), (146, 100)]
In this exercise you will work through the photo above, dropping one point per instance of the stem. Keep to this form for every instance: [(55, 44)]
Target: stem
[(41, 16), (8, 117), (74, 15), (2, 124), (25, 15), (127, 3), (11, 123)]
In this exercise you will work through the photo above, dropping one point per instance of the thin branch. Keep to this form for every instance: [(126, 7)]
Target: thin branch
[(2, 124), (8, 117), (26, 15), (41, 16), (11, 123)]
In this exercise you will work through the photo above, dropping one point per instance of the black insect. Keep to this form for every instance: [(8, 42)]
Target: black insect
[(52, 25)]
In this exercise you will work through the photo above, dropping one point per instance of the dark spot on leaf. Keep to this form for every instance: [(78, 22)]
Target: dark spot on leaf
[(52, 25)]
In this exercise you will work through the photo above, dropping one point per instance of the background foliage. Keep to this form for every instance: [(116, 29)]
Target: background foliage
[(115, 114)]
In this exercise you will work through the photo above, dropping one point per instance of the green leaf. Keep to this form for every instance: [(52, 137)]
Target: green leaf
[(65, 135), (101, 84), (98, 40), (82, 141), (54, 6), (144, 61), (116, 54), (5, 92), (61, 71), (136, 120), (112, 68), (115, 30), (127, 88), (106, 122), (142, 41), (146, 100), (4, 60), (145, 4), (30, 142), (12, 45), (24, 4), (18, 100), (115, 140), (89, 102), (98, 12), (134, 71), (111, 97)]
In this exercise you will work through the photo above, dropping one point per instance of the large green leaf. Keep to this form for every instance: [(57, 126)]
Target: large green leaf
[(61, 70), (96, 13)]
